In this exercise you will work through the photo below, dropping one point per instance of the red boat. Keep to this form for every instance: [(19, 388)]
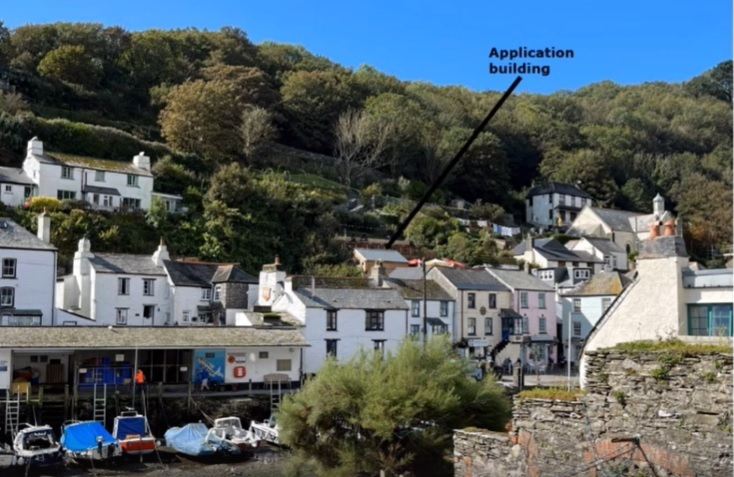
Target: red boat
[(133, 432)]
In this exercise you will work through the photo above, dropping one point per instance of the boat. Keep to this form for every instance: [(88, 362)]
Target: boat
[(89, 440), (36, 446), (267, 431), (133, 432), (197, 440), (230, 429)]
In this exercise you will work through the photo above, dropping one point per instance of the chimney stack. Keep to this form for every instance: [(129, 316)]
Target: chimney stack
[(44, 227), (161, 254), (35, 147), (377, 273), (142, 161), (669, 228)]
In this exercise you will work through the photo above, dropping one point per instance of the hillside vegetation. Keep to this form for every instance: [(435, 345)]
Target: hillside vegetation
[(265, 142)]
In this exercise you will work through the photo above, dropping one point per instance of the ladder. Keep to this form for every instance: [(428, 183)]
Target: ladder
[(12, 413), (275, 395), (100, 404)]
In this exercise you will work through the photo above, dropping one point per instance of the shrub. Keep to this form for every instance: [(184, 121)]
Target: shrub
[(39, 204)]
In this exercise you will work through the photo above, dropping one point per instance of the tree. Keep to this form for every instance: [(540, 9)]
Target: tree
[(360, 143), (203, 117), (12, 103), (716, 82), (395, 414), (71, 63), (257, 131)]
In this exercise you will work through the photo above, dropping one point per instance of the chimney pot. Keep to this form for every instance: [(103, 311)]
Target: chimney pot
[(669, 228), (277, 260), (654, 231)]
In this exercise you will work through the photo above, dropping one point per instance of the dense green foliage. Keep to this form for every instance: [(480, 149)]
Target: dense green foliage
[(216, 98), (393, 414)]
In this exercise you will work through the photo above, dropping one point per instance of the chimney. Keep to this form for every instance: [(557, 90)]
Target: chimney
[(142, 161), (82, 256), (161, 254), (35, 147), (654, 230), (44, 227), (377, 273), (658, 206), (669, 228)]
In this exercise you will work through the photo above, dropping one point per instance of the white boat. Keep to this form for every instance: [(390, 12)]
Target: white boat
[(267, 431), (230, 429), (36, 446)]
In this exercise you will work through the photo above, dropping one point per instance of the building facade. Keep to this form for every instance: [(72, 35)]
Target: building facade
[(554, 204)]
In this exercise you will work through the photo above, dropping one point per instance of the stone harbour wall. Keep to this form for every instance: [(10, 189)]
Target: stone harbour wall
[(660, 414)]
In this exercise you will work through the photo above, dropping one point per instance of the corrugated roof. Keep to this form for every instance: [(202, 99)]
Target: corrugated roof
[(96, 337), (352, 298), (519, 280), (13, 235), (413, 289), (602, 283), (12, 175), (379, 254), (125, 264), (471, 279), (94, 163), (559, 188)]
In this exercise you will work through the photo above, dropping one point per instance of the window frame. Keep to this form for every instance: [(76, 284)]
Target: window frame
[(332, 322), (99, 176), (581, 273), (444, 308), (379, 346), (577, 329), (415, 308), (415, 330), (374, 320), (492, 301), (62, 194), (217, 295), (280, 365), (132, 180), (576, 305), (123, 286), (488, 330), (332, 348), (14, 262), (121, 315), (8, 189), (148, 286), (542, 326), (541, 300), (471, 327), (471, 300), (711, 320), (7, 297), (523, 299), (67, 172), (206, 294)]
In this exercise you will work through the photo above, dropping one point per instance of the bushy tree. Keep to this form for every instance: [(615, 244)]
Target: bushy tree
[(394, 414), (71, 63)]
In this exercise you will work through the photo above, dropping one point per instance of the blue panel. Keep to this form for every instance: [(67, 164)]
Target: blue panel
[(208, 364), (82, 436)]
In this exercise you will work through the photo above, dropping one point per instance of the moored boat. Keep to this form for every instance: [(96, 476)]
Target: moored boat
[(197, 440), (133, 432), (267, 431), (230, 429), (36, 446), (89, 440)]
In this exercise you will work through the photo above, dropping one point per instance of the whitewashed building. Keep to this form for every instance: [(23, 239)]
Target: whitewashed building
[(15, 186), (611, 254), (27, 274), (554, 204)]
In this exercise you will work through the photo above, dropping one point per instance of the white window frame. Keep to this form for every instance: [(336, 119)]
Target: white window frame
[(444, 308), (217, 293), (7, 296), (148, 286), (542, 328), (415, 330), (99, 176), (523, 299), (10, 264), (471, 329), (415, 308), (121, 316), (206, 294), (8, 189), (471, 300), (283, 365), (185, 316), (582, 273), (67, 172), (541, 300), (123, 286), (332, 322), (492, 301), (379, 347), (132, 180), (488, 325), (576, 305), (576, 328)]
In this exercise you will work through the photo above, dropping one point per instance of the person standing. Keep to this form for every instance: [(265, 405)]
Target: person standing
[(139, 381)]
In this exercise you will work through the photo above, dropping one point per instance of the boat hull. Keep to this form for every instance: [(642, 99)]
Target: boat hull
[(45, 459), (138, 445)]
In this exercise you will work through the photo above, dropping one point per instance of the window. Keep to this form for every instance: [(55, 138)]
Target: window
[(541, 301), (66, 195), (148, 311), (331, 320), (550, 214), (444, 308), (148, 286), (13, 320), (492, 300), (415, 307), (577, 328), (7, 296), (8, 189), (283, 365), (331, 348), (415, 330), (263, 355), (545, 274), (471, 299), (577, 305), (186, 315), (375, 320), (605, 303), (581, 273), (9, 265), (561, 263), (472, 331), (379, 347), (523, 299), (562, 199), (206, 294), (107, 200), (67, 172), (541, 325), (27, 191), (607, 259), (123, 286), (99, 176), (488, 325), (218, 293), (439, 329), (710, 320), (132, 180), (121, 317), (128, 203), (525, 324)]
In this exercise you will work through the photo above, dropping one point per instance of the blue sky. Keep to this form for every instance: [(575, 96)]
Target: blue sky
[(443, 42)]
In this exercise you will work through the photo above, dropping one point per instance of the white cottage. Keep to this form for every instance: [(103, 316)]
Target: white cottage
[(554, 204)]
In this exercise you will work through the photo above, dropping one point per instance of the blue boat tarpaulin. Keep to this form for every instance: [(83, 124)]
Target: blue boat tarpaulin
[(134, 425), (190, 439), (82, 436)]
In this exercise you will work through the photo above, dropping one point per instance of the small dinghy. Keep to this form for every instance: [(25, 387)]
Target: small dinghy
[(267, 431), (230, 429), (133, 432), (36, 446), (89, 440), (197, 440)]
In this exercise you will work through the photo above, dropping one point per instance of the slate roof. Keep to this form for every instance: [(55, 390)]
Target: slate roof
[(379, 254), (408, 273), (352, 298), (232, 273), (96, 337), (13, 235), (190, 274), (101, 190), (413, 289), (559, 188), (12, 175), (602, 283), (124, 167), (519, 280), (125, 264), (552, 249), (471, 279), (620, 220), (604, 245)]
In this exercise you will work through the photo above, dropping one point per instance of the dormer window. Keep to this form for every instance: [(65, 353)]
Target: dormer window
[(67, 172)]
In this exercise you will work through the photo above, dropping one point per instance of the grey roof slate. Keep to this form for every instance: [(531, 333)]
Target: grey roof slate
[(379, 254), (12, 175), (352, 298), (190, 274), (519, 280), (408, 273), (124, 167), (13, 235), (101, 190), (413, 289), (96, 337), (600, 284), (125, 264), (616, 219), (604, 245), (232, 273), (471, 279), (557, 187)]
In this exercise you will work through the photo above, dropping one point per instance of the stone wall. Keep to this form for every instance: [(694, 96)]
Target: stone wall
[(234, 295), (645, 414)]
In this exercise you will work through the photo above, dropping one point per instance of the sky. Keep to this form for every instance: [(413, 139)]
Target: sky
[(445, 42)]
